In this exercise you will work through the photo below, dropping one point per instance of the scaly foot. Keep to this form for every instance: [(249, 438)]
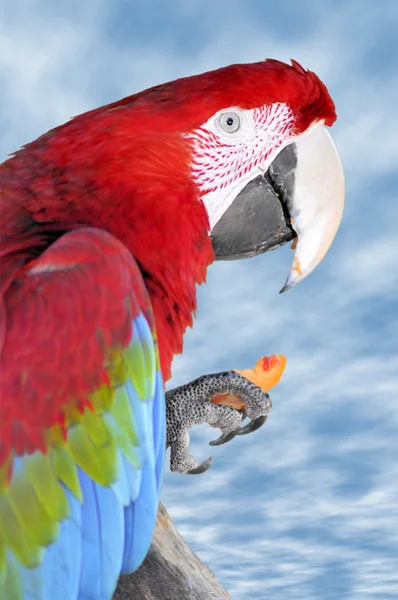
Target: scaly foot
[(191, 404)]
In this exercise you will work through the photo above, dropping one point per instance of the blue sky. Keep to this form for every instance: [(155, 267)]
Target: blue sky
[(306, 508)]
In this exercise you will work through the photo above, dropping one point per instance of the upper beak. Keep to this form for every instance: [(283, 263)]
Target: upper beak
[(302, 194)]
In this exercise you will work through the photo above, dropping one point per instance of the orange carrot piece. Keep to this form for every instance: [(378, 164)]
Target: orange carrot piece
[(266, 374)]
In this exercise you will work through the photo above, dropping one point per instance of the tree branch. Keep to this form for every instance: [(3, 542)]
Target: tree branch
[(171, 571)]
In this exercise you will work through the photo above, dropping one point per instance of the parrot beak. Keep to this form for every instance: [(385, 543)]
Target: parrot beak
[(300, 196), (316, 207)]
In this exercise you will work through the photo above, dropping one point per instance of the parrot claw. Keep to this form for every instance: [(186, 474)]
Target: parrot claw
[(249, 428), (253, 425), (224, 438), (192, 404), (201, 468)]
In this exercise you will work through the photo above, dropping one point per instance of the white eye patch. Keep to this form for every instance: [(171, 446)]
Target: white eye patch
[(232, 148)]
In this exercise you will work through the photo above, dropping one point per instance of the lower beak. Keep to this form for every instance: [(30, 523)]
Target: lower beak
[(301, 195)]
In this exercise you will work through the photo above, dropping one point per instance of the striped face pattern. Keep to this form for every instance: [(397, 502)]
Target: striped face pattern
[(233, 147)]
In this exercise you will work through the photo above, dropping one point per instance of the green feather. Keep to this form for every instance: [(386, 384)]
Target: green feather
[(16, 537), (5, 474), (102, 399), (30, 513), (149, 351), (66, 471), (96, 429), (10, 582), (121, 410), (116, 369), (99, 462), (48, 490), (123, 442), (3, 558), (134, 360)]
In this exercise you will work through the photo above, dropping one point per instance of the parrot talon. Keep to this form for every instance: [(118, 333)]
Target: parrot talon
[(249, 428), (253, 425), (201, 468), (191, 404), (224, 438)]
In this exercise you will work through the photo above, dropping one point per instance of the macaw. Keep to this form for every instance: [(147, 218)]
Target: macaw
[(108, 224)]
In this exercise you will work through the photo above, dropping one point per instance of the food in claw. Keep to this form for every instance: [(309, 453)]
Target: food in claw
[(266, 374)]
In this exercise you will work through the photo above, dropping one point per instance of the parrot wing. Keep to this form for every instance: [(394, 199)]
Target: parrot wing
[(82, 422)]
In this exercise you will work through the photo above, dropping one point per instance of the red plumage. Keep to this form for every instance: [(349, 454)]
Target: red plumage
[(105, 172), (65, 312), (123, 168)]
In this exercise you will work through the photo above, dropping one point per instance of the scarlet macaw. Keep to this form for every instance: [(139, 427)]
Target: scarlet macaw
[(108, 223)]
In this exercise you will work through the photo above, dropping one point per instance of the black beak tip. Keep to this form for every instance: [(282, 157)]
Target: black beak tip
[(285, 288)]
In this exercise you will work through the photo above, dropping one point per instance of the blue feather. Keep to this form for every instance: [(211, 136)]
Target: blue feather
[(121, 487), (134, 477), (140, 520), (139, 410), (146, 338), (159, 429), (59, 574), (102, 540), (140, 516)]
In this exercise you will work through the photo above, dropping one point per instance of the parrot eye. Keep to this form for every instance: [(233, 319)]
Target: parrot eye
[(229, 122)]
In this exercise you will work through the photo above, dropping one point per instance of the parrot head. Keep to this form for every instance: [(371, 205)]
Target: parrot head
[(257, 148), (266, 166)]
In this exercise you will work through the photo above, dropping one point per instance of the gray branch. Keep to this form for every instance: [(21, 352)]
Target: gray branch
[(171, 571)]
